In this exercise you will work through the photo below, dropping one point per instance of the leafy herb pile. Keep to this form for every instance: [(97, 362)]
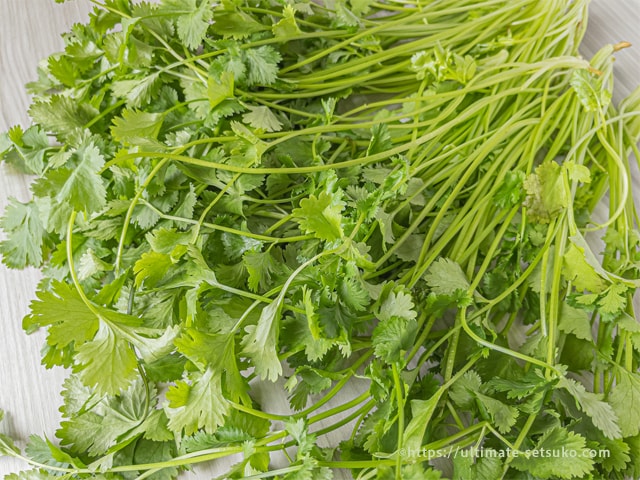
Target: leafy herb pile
[(230, 194)]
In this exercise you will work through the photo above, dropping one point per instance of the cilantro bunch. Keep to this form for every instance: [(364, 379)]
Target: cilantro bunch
[(388, 198)]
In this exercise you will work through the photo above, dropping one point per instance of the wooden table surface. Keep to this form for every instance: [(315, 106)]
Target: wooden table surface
[(29, 31)]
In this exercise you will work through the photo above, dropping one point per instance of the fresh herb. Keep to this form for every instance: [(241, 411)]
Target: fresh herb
[(304, 193)]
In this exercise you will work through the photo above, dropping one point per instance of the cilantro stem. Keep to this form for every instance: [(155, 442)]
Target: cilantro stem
[(498, 348), (556, 294), (129, 214), (72, 270), (360, 412), (399, 391)]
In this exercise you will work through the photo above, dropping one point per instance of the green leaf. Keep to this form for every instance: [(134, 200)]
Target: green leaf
[(63, 310), (261, 342), (601, 413), (503, 416), (287, 26), (624, 395), (262, 65), (138, 92), (380, 139), (614, 302), (485, 467), (25, 235), (575, 321), (299, 432), (576, 172), (107, 361), (220, 88), (262, 117), (321, 216), (520, 387), (616, 457), (421, 413), (555, 464), (79, 184), (393, 338), (361, 7), (103, 339), (546, 192), (232, 22), (7, 447), (45, 452), (61, 115), (577, 270), (30, 475), (26, 150), (592, 95), (151, 268), (260, 266), (197, 404), (445, 277), (511, 190), (135, 126), (110, 421), (397, 304), (462, 392), (218, 353), (192, 18)]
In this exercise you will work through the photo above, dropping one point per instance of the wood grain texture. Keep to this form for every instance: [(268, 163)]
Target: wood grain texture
[(29, 31)]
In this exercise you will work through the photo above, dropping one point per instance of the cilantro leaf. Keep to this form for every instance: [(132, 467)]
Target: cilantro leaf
[(151, 268), (624, 394), (23, 226), (421, 413), (197, 403), (577, 270), (397, 304), (263, 118), (262, 65), (546, 192), (321, 216), (137, 91), (503, 416), (592, 95), (192, 18), (218, 353), (107, 361), (287, 27), (62, 115), (601, 413), (462, 391), (111, 421), (261, 342), (79, 184), (393, 337), (575, 321), (134, 127), (554, 465), (445, 277)]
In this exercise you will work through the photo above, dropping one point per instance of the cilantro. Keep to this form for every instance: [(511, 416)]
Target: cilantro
[(445, 277), (263, 118), (383, 216), (626, 393), (25, 233), (192, 19), (546, 192), (601, 413), (591, 93), (190, 402), (321, 216)]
